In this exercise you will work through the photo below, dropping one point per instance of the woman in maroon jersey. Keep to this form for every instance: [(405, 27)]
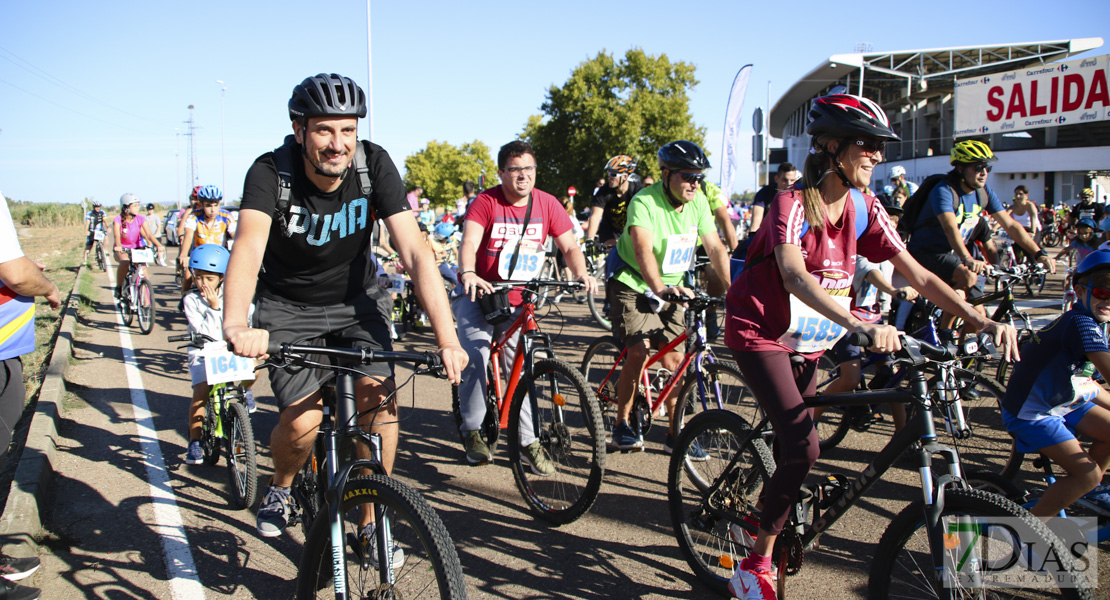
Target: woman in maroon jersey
[(792, 299)]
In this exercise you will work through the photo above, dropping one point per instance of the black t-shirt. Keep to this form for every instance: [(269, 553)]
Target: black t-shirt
[(616, 209), (1091, 211), (323, 254), (764, 196)]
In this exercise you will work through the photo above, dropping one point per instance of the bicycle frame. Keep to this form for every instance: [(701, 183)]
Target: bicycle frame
[(526, 330), (697, 354)]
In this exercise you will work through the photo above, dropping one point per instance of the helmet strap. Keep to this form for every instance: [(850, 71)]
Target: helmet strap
[(839, 165), (675, 202)]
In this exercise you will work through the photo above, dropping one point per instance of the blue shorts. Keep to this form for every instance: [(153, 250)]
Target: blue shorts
[(1032, 436)]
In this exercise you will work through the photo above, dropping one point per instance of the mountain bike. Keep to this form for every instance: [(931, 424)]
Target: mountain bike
[(554, 400), (136, 297), (227, 427), (409, 554), (98, 242), (946, 544), (709, 381)]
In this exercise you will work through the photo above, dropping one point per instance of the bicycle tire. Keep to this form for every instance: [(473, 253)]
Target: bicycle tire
[(834, 424), (735, 396), (101, 263), (431, 567), (308, 488), (144, 307), (903, 568), (990, 447), (596, 302), (702, 525), (491, 424), (1035, 285), (568, 436), (126, 304), (209, 440), (597, 364), (1005, 369), (242, 456), (1051, 239)]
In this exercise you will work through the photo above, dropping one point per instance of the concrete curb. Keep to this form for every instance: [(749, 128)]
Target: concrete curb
[(22, 518)]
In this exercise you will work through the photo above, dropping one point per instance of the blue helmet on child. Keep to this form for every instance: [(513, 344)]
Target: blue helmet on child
[(209, 193), (1099, 260), (209, 257), (1087, 222), (444, 231)]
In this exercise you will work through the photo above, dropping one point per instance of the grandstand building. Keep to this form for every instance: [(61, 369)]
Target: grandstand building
[(1054, 157)]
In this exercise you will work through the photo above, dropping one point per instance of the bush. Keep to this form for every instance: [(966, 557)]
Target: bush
[(33, 214)]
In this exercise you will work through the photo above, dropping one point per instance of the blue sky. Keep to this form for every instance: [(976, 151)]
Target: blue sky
[(91, 93)]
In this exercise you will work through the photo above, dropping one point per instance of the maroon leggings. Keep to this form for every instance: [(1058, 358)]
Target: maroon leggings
[(778, 385)]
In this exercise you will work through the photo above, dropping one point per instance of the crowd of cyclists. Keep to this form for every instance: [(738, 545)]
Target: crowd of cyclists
[(823, 255)]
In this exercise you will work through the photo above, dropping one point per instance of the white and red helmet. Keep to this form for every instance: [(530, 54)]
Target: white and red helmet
[(847, 116)]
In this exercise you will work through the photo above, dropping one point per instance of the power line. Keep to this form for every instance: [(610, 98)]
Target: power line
[(76, 112), (31, 68)]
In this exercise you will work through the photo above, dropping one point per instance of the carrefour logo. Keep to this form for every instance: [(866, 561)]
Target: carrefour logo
[(986, 80), (984, 129), (1060, 119), (1062, 68)]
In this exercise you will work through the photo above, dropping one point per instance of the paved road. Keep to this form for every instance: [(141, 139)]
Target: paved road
[(113, 529)]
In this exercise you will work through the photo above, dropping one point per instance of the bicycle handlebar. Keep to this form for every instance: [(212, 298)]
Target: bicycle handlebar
[(297, 352), (192, 338), (912, 348), (700, 301), (537, 283)]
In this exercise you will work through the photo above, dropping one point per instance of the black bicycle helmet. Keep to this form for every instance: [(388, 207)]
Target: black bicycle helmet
[(846, 116), (679, 155), (327, 96)]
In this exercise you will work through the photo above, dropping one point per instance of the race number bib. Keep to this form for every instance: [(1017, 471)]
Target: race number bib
[(221, 366), (1085, 390), (528, 263), (809, 330), (142, 255), (98, 235), (396, 283), (967, 227), (679, 253)]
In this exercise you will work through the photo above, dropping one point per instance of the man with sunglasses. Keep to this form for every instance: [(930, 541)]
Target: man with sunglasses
[(1087, 208), (665, 222), (956, 204), (610, 203)]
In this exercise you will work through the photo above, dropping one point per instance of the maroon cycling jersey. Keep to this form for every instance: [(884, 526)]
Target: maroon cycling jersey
[(759, 307)]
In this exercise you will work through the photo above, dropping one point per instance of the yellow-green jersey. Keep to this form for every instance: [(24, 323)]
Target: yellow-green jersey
[(675, 235)]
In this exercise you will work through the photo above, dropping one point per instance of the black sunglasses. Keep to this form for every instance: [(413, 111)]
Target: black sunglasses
[(981, 167), (691, 177), (872, 146)]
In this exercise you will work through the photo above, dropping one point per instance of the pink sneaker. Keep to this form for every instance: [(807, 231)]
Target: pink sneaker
[(752, 585), (740, 535)]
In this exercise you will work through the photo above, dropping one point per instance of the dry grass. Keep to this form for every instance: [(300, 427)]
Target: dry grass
[(60, 249)]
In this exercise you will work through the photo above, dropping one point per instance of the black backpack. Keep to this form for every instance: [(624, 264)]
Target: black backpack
[(911, 210), (284, 156)]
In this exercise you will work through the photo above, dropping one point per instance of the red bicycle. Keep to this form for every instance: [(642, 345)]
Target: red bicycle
[(561, 410)]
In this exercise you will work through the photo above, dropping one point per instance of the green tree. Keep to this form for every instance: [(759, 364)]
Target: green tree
[(441, 168), (607, 107)]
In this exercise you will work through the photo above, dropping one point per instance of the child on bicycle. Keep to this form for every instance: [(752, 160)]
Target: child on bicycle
[(1052, 395), (204, 312), (1086, 241)]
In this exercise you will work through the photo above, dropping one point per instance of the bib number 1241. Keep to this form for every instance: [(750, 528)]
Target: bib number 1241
[(816, 329)]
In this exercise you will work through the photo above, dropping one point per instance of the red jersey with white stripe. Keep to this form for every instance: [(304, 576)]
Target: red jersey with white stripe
[(758, 304)]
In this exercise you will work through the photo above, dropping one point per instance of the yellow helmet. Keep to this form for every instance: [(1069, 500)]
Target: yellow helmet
[(971, 151), (1087, 193)]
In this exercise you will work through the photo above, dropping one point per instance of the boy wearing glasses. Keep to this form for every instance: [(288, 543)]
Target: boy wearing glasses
[(955, 206), (661, 235)]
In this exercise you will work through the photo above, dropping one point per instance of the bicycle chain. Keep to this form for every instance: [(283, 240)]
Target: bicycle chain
[(790, 543)]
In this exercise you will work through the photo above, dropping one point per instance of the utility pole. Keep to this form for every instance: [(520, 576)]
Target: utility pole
[(223, 155), (369, 78), (177, 162), (192, 134)]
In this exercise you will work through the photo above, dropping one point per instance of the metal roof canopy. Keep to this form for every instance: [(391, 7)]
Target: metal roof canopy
[(917, 73)]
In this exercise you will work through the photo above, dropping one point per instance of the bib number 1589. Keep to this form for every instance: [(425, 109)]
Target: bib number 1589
[(815, 329)]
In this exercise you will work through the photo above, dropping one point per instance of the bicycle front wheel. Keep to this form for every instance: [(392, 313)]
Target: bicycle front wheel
[(981, 531), (100, 262), (597, 302), (724, 388), (601, 377), (989, 447), (127, 304), (707, 523), (209, 436), (242, 460), (422, 555), (144, 307), (559, 474)]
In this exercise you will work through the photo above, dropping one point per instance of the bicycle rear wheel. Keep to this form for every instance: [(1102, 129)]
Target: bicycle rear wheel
[(144, 306), (101, 263), (1051, 238), (707, 523), (567, 425), (429, 566), (597, 303), (724, 388), (242, 459), (308, 488), (601, 377), (981, 526)]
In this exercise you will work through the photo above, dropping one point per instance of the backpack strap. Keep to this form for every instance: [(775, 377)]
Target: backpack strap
[(284, 157)]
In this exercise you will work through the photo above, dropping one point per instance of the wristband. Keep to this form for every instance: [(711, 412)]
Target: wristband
[(1042, 252), (460, 275)]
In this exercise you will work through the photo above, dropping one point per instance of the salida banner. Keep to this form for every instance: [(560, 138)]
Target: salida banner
[(1041, 96)]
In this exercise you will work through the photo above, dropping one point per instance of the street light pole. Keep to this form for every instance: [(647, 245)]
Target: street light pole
[(223, 155), (177, 163)]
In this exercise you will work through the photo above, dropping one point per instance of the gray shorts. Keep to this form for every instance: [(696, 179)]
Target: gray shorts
[(634, 320), (358, 323), (944, 265)]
